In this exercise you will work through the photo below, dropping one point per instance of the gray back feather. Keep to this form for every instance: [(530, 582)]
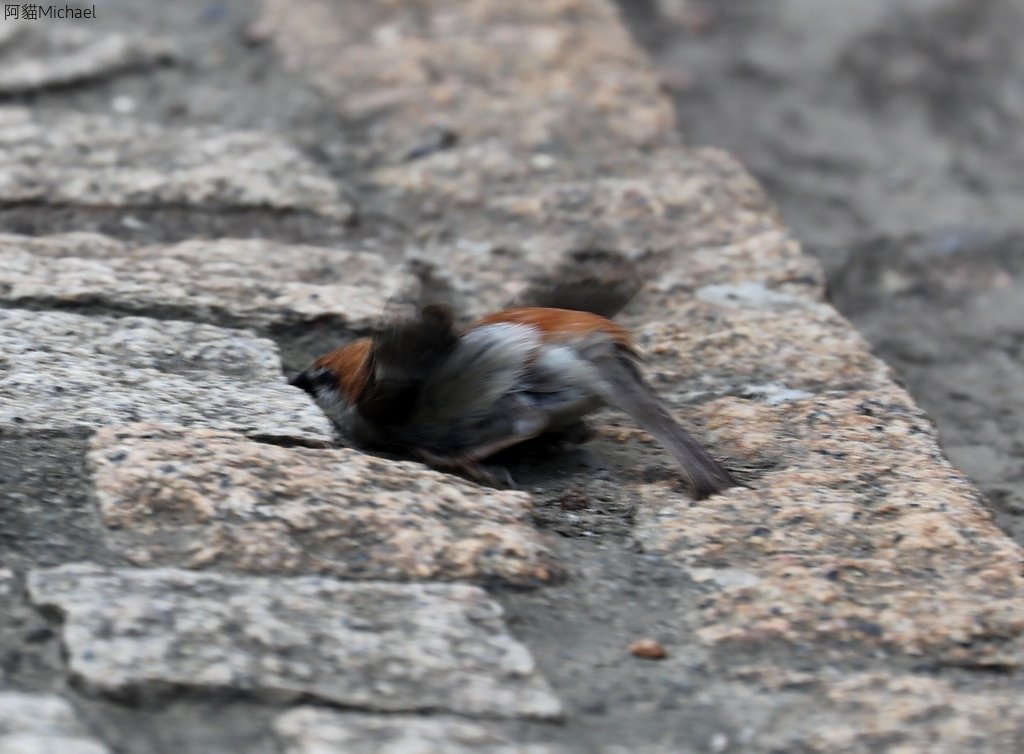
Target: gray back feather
[(484, 366)]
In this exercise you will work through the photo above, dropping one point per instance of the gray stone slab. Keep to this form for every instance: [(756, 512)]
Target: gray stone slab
[(372, 645), (201, 498), (67, 372), (42, 724), (49, 54), (859, 533), (104, 162), (312, 730), (537, 75), (770, 353), (229, 281), (11, 30), (77, 244), (911, 713), (47, 515)]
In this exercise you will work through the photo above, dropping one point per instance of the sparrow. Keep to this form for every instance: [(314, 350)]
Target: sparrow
[(455, 396)]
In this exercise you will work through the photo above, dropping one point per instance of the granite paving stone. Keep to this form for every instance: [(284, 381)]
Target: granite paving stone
[(44, 54), (234, 282), (202, 498), (42, 724), (58, 245), (859, 532), (878, 712), (674, 203), (312, 730), (101, 162), (489, 272), (772, 259), (918, 715), (68, 372), (543, 77), (786, 349), (511, 192), (369, 645), (47, 515)]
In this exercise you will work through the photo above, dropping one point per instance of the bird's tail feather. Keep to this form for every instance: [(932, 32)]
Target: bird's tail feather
[(628, 391)]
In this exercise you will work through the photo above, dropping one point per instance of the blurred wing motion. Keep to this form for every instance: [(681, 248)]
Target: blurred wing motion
[(404, 354), (597, 281), (456, 397), (372, 384)]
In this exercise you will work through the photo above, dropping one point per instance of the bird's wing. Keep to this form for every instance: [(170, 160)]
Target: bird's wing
[(486, 364), (405, 352), (591, 280)]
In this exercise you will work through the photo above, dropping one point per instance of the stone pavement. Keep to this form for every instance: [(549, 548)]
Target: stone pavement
[(188, 562)]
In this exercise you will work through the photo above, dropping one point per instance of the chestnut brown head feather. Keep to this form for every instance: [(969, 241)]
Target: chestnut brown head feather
[(350, 366)]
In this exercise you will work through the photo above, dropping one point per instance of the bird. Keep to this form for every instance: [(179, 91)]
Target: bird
[(454, 396)]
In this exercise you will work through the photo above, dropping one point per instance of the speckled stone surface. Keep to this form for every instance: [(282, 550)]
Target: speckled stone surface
[(78, 244), (908, 714), (490, 265), (234, 282), (878, 712), (99, 161), (695, 214), (70, 372), (682, 197), (202, 499), (47, 53), (783, 347), (371, 645), (771, 259), (538, 76), (671, 201), (42, 724), (543, 158), (311, 730), (858, 533)]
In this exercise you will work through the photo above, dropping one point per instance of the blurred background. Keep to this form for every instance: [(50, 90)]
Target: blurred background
[(891, 135)]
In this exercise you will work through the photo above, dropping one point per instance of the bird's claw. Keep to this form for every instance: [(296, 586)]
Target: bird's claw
[(494, 476)]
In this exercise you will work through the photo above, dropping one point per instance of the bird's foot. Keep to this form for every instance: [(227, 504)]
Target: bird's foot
[(576, 433), (492, 476)]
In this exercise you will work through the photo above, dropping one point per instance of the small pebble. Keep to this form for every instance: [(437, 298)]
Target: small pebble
[(648, 649)]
